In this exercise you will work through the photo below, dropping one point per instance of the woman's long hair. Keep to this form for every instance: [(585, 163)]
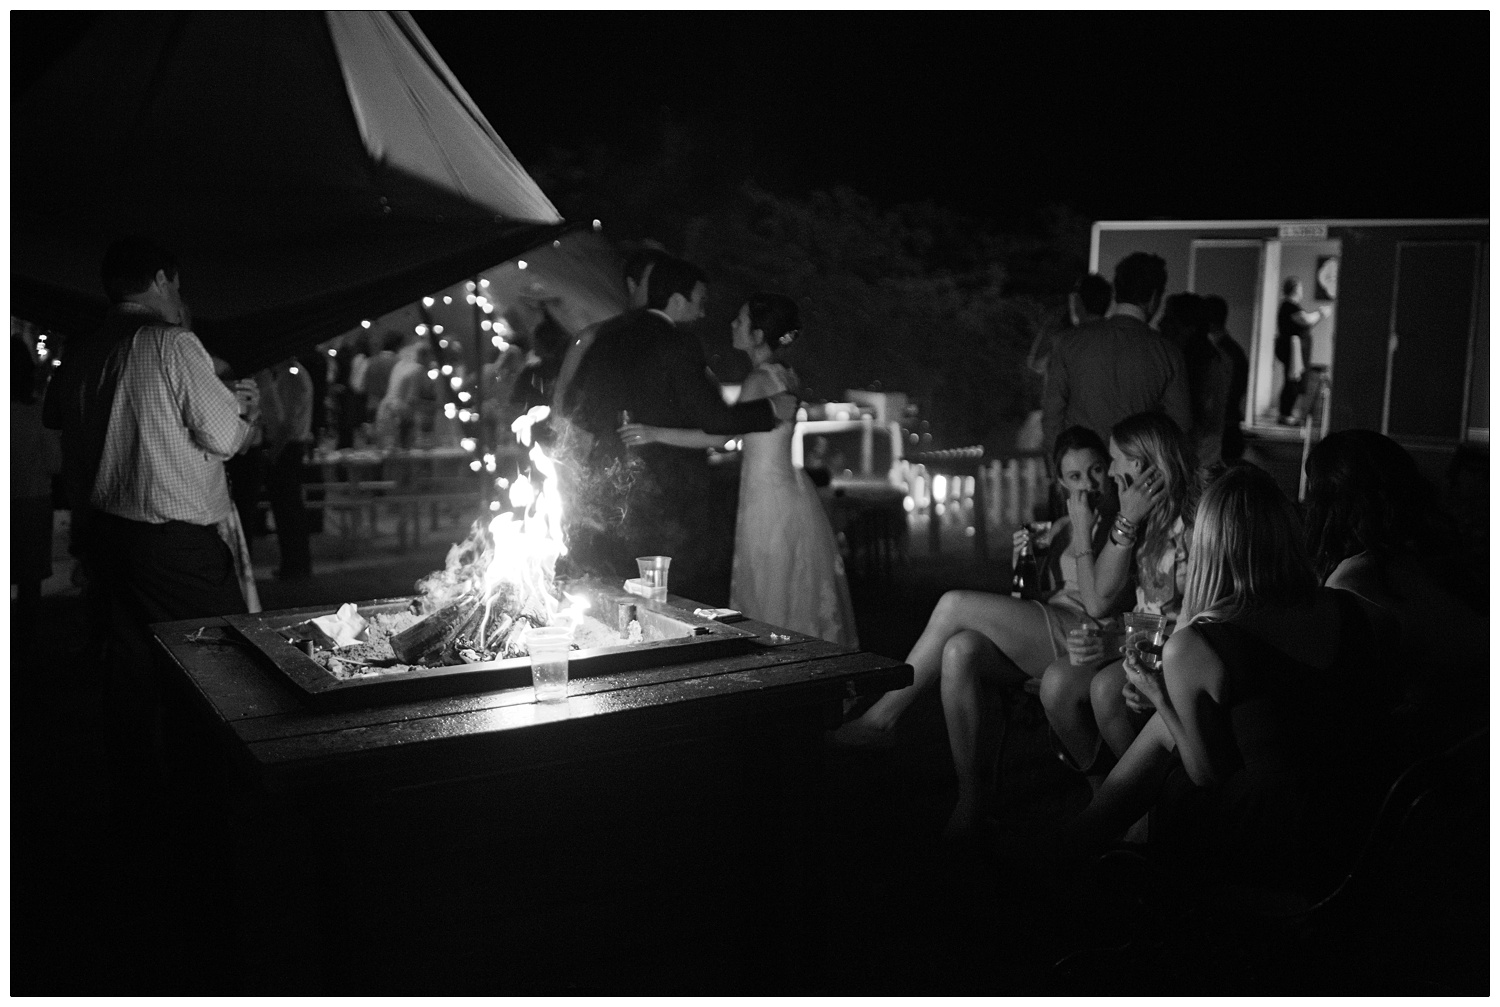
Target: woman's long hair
[(1247, 550), (1155, 439), (1366, 494)]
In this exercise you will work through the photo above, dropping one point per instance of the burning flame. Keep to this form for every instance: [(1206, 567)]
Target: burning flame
[(511, 562), (525, 551)]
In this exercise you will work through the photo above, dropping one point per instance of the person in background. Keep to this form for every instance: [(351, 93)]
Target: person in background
[(1151, 463), (354, 365), (1216, 314), (1294, 345), (655, 499), (35, 457), (787, 569), (1376, 529), (286, 399), (395, 416), (975, 638), (1111, 368), (377, 373), (637, 276), (1088, 302), (1209, 370), (153, 426)]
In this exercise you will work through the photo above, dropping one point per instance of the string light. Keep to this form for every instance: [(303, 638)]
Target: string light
[(463, 396), (598, 225), (447, 369), (455, 382), (483, 282), (421, 330), (521, 264), (447, 299), (468, 443), (364, 324), (332, 352), (442, 344), (432, 375), (426, 302), (475, 465), (470, 298), (438, 329), (486, 324), (293, 370), (469, 286), (450, 410)]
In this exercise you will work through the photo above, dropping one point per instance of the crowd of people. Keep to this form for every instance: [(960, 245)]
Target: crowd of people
[(1307, 655)]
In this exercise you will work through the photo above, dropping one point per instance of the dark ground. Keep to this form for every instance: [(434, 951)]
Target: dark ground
[(135, 902)]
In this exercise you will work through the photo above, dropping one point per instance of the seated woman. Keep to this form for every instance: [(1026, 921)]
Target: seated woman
[(1376, 529), (1151, 464), (1263, 696), (974, 636)]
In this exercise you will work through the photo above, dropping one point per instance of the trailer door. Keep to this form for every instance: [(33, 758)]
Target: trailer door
[(1431, 345)]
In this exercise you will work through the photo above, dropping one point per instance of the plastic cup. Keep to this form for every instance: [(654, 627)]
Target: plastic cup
[(1085, 645), (653, 571), (548, 647), (1145, 632)]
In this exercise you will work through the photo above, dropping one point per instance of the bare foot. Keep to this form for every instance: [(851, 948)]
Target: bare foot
[(858, 734)]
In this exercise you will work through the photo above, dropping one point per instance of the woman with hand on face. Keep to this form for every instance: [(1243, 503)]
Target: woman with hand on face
[(1264, 758), (975, 638), (787, 567), (1089, 705)]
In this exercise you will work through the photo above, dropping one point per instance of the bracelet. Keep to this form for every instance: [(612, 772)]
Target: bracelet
[(1124, 524), (1129, 540)]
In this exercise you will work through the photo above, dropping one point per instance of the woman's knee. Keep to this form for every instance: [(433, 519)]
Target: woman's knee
[(1105, 693), (1062, 687), (963, 652)]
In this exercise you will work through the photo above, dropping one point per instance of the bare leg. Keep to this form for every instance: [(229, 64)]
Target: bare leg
[(1017, 628), (1117, 722), (1127, 794), (1065, 697), (969, 661)]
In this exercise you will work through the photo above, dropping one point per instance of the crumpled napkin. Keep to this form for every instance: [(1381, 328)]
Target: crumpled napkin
[(344, 627)]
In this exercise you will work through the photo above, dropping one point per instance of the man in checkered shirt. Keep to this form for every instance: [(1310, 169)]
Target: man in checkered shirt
[(160, 490), (147, 428)]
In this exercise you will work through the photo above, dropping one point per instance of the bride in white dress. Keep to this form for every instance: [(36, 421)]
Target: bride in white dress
[(787, 566)]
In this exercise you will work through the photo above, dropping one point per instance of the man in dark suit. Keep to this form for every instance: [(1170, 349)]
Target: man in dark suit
[(653, 500), (1114, 367)]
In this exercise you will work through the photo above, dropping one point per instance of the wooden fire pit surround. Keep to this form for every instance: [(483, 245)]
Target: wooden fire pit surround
[(657, 832)]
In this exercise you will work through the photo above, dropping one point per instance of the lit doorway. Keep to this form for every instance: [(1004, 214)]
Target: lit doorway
[(1315, 264)]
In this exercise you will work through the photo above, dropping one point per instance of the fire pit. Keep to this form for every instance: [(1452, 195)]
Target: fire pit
[(671, 635), (465, 630)]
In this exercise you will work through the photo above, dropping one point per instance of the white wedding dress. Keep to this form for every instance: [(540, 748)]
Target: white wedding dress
[(787, 566)]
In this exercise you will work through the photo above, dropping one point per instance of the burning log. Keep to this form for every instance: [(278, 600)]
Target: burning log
[(429, 636)]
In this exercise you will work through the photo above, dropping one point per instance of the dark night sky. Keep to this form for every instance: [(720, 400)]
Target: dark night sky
[(993, 114), (1117, 115)]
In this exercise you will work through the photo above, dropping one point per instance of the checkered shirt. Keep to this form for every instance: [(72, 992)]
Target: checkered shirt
[(172, 427)]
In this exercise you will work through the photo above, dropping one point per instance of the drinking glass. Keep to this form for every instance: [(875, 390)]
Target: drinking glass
[(548, 647), (1145, 633), (654, 574)]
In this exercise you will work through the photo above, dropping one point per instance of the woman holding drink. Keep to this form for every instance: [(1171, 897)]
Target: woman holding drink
[(975, 637), (1263, 694), (1089, 705)]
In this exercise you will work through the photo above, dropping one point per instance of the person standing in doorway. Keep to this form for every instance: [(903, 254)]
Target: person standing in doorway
[(1294, 345)]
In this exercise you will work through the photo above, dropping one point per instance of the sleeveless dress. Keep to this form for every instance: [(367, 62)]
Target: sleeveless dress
[(1310, 776), (787, 567)]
